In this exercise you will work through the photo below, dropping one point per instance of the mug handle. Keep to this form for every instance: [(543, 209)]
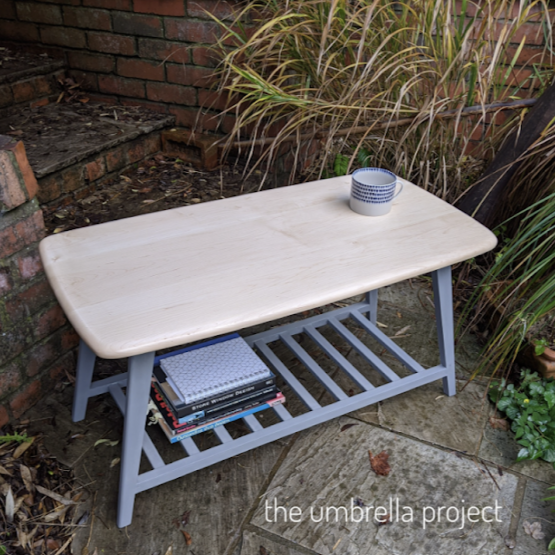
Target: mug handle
[(400, 190)]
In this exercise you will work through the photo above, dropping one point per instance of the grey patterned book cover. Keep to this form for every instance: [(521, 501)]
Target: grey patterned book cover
[(215, 369)]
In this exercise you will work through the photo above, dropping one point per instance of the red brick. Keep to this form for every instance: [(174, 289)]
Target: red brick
[(138, 24), (160, 7), (26, 32), (115, 160), (152, 143), (212, 100), (109, 4), (37, 13), (162, 92), (91, 62), (218, 8), (10, 379), (96, 169), (194, 119), (12, 192), (528, 55), (49, 322), (30, 301), (135, 151), (5, 282), (40, 357), (121, 86), (23, 91), (50, 188), (87, 80), (205, 56), (4, 418), (29, 180), (163, 50), (44, 86), (87, 18), (63, 36), (26, 399), (6, 95), (29, 265), (190, 75), (69, 340), (72, 178), (25, 232), (64, 366), (141, 69), (192, 31), (112, 44), (8, 12)]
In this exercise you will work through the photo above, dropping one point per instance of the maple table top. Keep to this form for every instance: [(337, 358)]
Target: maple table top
[(159, 280)]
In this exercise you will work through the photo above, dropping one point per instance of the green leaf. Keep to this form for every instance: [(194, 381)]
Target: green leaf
[(536, 388), (551, 544), (549, 454), (549, 397), (523, 454), (363, 157), (341, 164), (504, 403)]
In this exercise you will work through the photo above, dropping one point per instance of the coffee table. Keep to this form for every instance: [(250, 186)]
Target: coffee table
[(134, 286)]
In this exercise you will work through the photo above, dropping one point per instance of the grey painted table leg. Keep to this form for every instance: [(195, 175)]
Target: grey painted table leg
[(138, 387), (372, 300), (83, 379), (443, 300)]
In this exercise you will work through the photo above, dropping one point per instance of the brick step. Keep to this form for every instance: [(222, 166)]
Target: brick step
[(28, 79), (72, 147)]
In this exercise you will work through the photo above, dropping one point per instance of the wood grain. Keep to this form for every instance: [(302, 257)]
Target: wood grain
[(172, 277)]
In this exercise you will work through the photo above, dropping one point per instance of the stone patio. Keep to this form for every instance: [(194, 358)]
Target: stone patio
[(442, 452)]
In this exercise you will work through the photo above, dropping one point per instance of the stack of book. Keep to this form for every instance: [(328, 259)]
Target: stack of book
[(208, 385)]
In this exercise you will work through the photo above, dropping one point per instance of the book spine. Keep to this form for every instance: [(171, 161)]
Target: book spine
[(211, 425), (213, 403), (176, 425)]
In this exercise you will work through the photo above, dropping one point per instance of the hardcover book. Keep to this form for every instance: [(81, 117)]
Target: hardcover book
[(216, 412), (174, 437), (213, 368)]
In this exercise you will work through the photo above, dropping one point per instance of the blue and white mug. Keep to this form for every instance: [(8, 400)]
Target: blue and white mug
[(373, 190)]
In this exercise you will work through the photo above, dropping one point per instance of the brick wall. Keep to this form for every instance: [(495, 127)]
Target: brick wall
[(150, 52), (36, 342)]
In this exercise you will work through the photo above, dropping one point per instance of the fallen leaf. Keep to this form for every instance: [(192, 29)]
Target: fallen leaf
[(56, 496), (187, 536), (385, 520), (263, 551), (170, 550), (218, 478), (399, 315), (347, 426), (51, 543), (22, 448), (380, 325), (108, 442), (533, 529), (5, 471), (379, 463), (59, 229), (9, 505), (402, 330), (114, 462), (499, 423), (148, 201), (26, 477)]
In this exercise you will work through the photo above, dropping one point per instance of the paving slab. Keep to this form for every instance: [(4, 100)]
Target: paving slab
[(327, 475), (256, 543), (500, 447), (426, 413), (534, 510)]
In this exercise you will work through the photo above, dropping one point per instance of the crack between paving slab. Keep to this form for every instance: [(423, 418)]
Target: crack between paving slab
[(279, 540), (516, 512), (250, 513)]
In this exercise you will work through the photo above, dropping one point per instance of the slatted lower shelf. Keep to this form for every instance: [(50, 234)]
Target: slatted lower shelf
[(259, 435)]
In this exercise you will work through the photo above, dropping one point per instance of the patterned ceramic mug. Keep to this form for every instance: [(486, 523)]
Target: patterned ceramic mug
[(372, 191)]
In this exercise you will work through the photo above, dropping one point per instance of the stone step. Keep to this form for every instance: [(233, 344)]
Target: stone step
[(74, 146), (28, 79)]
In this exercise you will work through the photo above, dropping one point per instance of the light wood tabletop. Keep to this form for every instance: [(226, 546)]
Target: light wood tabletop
[(164, 279)]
